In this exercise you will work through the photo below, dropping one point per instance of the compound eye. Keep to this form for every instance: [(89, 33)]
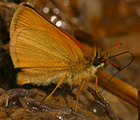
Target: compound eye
[(97, 61)]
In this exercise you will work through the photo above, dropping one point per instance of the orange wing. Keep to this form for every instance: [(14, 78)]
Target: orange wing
[(35, 42)]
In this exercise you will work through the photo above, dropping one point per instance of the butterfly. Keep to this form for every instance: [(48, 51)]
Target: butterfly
[(46, 54)]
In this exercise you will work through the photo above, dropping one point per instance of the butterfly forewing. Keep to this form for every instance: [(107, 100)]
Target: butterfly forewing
[(43, 53), (35, 42)]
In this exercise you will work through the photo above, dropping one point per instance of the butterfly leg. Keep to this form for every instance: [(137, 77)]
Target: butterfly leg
[(58, 85), (96, 83), (82, 85)]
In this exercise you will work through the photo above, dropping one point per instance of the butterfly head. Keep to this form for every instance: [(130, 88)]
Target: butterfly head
[(100, 59)]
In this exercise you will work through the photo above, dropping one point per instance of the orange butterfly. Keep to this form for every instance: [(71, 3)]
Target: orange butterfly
[(46, 54)]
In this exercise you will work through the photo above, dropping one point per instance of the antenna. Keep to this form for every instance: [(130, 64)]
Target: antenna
[(120, 69), (118, 45)]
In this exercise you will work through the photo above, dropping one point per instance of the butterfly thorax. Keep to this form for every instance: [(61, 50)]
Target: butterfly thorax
[(80, 70)]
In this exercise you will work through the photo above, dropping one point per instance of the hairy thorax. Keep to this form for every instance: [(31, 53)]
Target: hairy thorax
[(79, 72)]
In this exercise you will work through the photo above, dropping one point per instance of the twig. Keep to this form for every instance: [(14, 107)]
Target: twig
[(104, 104), (41, 106), (13, 93)]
